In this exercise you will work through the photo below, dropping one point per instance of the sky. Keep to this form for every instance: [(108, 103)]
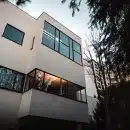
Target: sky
[(61, 12)]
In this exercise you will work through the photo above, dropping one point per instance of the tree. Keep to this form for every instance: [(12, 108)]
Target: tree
[(18, 2), (112, 18), (102, 79)]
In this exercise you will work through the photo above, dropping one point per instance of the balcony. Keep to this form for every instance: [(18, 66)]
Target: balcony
[(46, 95), (43, 81)]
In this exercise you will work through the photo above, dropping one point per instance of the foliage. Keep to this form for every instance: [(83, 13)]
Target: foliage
[(18, 2), (112, 18), (119, 107)]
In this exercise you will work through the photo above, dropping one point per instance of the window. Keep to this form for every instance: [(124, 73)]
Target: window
[(10, 79), (49, 83), (76, 47), (64, 50), (13, 34), (61, 43), (48, 28), (77, 52), (77, 57), (48, 40)]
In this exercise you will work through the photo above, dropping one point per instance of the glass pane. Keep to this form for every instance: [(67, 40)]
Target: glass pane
[(72, 90), (19, 82), (49, 29), (7, 78), (13, 34), (64, 50), (56, 45), (52, 84), (39, 80), (64, 88), (48, 40), (32, 73), (64, 38), (57, 34), (57, 41), (77, 57), (76, 47)]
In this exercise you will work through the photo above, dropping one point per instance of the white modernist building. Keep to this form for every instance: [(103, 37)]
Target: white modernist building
[(42, 81)]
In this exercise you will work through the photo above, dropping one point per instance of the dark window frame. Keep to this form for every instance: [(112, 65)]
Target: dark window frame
[(64, 44), (23, 81), (12, 39), (66, 90)]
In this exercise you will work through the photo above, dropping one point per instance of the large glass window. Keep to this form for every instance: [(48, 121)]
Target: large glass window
[(60, 42), (13, 34), (49, 83), (10, 79)]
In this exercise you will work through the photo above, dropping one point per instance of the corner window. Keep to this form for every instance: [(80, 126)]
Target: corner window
[(13, 34), (76, 47), (77, 57), (10, 79), (61, 43), (46, 82)]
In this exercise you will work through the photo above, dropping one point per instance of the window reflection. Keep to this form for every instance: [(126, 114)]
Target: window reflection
[(11, 79), (54, 85), (61, 43)]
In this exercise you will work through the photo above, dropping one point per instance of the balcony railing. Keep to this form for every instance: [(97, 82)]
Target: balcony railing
[(43, 81)]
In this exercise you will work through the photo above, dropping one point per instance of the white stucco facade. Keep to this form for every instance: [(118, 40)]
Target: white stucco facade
[(48, 105), (22, 59)]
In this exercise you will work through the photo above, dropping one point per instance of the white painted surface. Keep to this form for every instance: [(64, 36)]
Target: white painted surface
[(25, 104), (52, 106), (22, 59), (91, 104), (9, 105)]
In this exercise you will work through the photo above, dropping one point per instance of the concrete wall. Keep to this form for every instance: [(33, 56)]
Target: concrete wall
[(49, 105), (13, 55), (24, 108), (9, 106), (22, 59), (91, 104)]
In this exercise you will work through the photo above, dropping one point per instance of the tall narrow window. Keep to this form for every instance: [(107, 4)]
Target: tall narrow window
[(64, 44), (77, 52), (57, 40), (48, 35), (13, 34)]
